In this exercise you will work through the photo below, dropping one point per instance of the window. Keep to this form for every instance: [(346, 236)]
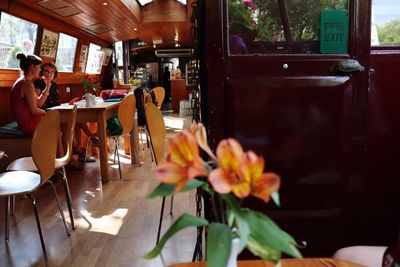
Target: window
[(95, 59), (385, 22), (16, 35), (66, 53), (119, 53), (145, 2), (288, 27)]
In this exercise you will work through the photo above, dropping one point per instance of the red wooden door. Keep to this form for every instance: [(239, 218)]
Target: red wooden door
[(281, 98)]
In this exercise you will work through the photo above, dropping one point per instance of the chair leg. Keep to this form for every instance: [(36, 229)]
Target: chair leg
[(12, 205), (39, 228), (172, 204), (6, 217), (161, 217), (89, 141), (117, 153), (115, 148), (68, 196), (149, 146), (59, 206)]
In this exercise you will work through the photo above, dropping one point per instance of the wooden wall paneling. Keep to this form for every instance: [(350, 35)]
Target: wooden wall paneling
[(48, 22), (5, 110)]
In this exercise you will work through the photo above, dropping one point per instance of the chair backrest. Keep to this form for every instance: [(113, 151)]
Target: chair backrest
[(157, 132), (126, 113), (44, 144), (70, 135), (159, 92)]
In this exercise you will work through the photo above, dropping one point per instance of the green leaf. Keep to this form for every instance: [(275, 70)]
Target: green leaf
[(184, 221), (263, 251), (232, 202), (243, 232), (219, 242), (235, 215), (163, 190), (275, 198), (266, 236)]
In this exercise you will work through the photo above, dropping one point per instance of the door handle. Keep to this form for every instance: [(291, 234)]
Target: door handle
[(347, 66)]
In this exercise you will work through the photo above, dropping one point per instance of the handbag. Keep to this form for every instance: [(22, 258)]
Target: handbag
[(114, 126)]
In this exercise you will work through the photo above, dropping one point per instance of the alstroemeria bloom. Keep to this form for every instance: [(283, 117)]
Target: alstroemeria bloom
[(262, 184), (199, 132), (242, 173), (227, 177), (182, 163)]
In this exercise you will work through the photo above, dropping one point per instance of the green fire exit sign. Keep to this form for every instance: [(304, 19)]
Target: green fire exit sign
[(334, 32)]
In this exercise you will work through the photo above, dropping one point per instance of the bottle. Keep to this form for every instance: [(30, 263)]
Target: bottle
[(177, 73), (391, 257), (172, 74)]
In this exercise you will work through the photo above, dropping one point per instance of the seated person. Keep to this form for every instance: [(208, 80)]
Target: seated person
[(48, 73), (25, 103)]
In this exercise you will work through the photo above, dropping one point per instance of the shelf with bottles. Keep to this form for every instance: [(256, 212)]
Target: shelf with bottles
[(192, 72)]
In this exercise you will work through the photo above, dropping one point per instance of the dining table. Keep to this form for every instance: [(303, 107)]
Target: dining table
[(306, 262), (99, 112)]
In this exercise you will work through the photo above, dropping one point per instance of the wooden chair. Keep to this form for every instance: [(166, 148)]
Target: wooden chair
[(27, 163), (126, 115), (24, 182), (159, 92), (157, 133)]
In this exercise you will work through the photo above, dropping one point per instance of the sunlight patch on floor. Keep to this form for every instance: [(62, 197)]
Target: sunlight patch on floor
[(174, 122), (108, 224)]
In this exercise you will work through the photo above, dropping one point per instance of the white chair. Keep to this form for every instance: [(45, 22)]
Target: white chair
[(27, 163), (157, 133), (369, 256), (159, 93), (126, 115), (24, 182)]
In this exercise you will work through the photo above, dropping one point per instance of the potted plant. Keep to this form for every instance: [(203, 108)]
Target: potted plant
[(89, 85), (231, 175)]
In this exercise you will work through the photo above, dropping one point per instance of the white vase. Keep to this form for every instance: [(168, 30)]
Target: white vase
[(232, 261), (90, 100)]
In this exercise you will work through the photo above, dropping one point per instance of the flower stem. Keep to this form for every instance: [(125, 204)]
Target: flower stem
[(214, 207), (221, 210)]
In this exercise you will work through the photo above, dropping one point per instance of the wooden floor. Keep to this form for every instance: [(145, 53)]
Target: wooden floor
[(115, 223)]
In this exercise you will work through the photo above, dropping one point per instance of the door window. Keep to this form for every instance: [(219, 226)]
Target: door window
[(385, 23), (294, 27)]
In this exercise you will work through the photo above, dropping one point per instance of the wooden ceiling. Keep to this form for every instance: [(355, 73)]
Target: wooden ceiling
[(163, 22)]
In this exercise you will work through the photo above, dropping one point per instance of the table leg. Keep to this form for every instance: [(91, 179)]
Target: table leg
[(101, 124)]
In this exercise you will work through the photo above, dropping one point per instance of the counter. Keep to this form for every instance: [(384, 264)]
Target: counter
[(178, 92)]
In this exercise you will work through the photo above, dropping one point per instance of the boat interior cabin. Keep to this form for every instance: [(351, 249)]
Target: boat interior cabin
[(296, 97)]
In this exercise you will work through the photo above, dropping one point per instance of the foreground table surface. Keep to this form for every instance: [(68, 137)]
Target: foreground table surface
[(311, 262)]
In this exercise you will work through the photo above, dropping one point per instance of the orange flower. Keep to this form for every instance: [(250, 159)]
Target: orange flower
[(262, 184), (183, 161), (242, 173), (199, 132), (227, 178)]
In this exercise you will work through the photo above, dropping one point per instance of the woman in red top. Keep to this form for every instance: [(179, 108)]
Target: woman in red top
[(25, 103)]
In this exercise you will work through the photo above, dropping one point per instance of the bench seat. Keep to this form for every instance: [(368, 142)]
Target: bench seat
[(14, 142)]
